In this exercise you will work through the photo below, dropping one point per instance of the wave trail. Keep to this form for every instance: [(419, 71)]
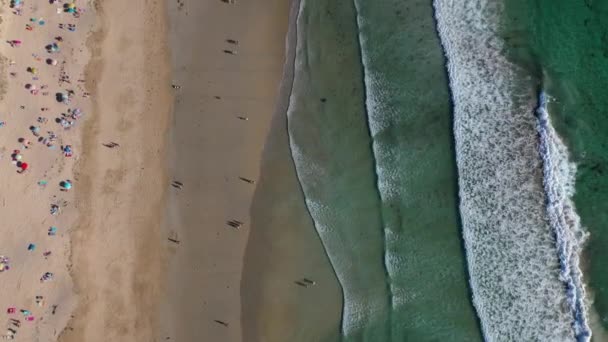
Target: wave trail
[(558, 184)]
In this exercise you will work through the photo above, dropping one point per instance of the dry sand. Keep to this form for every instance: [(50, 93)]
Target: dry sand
[(25, 208), (117, 249)]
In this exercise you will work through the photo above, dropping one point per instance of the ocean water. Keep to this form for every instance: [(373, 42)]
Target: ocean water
[(445, 151), (565, 44), (370, 132)]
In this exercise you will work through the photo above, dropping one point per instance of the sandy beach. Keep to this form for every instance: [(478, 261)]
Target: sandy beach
[(128, 254), (44, 56), (111, 215)]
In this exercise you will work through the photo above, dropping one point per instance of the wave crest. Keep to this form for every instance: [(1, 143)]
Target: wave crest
[(558, 181)]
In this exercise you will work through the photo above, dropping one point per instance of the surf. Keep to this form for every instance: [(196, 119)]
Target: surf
[(509, 230)]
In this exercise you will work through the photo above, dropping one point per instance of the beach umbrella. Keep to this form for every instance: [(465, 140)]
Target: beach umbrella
[(24, 166), (18, 157), (61, 97)]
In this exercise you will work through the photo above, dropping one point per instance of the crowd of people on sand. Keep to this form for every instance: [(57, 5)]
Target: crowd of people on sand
[(68, 10)]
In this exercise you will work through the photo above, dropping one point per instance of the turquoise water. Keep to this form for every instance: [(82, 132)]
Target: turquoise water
[(370, 129)]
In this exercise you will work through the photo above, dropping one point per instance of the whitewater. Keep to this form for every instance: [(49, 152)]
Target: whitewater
[(521, 233), (559, 188)]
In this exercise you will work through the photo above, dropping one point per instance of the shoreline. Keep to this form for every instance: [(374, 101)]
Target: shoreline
[(269, 293)]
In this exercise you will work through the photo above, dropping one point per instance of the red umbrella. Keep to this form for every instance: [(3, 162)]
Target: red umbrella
[(24, 166)]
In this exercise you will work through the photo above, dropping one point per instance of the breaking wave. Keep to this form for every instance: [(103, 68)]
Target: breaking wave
[(514, 201), (559, 189)]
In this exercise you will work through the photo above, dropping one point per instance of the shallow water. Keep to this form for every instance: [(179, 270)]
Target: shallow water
[(370, 133)]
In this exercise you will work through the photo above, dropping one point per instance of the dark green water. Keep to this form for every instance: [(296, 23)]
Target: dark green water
[(376, 165), (564, 44)]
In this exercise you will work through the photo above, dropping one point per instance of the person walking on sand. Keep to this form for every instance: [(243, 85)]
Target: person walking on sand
[(247, 180), (220, 322)]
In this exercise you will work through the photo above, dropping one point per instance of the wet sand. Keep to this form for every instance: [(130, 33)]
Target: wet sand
[(211, 147)]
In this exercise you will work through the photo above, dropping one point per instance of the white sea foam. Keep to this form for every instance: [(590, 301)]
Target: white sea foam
[(509, 231), (559, 188)]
